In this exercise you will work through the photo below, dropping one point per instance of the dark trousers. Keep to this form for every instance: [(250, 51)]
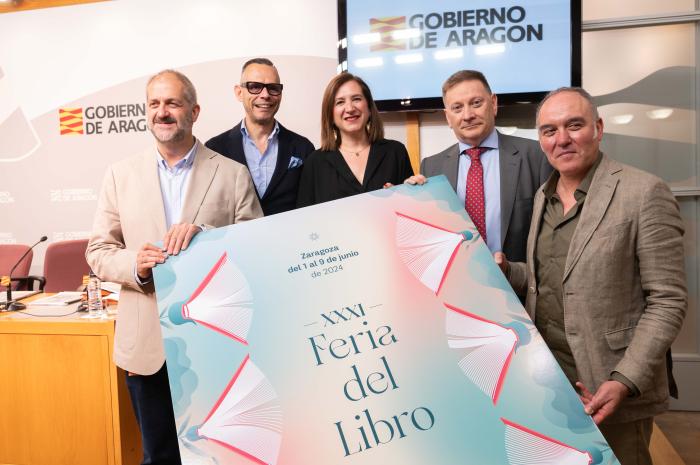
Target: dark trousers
[(630, 441), (150, 397)]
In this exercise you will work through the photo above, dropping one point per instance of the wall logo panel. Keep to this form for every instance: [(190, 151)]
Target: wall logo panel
[(70, 121), (121, 118)]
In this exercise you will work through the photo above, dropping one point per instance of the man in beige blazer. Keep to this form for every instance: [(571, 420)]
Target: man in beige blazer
[(604, 277), (169, 193)]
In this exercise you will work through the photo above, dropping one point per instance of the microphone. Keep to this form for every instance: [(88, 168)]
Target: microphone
[(13, 306)]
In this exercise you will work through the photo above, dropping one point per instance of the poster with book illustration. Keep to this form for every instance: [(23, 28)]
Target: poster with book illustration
[(371, 330)]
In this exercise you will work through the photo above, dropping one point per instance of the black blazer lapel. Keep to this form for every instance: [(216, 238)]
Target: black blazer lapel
[(336, 160), (377, 152), (236, 140), (284, 154)]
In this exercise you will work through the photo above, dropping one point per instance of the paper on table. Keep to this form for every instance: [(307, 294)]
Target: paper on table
[(108, 286), (17, 295), (60, 299)]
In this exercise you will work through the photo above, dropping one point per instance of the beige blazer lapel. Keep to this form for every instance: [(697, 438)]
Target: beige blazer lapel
[(201, 176), (151, 192), (537, 212), (597, 202)]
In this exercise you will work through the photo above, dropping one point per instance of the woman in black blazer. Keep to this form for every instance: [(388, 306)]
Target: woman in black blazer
[(354, 157)]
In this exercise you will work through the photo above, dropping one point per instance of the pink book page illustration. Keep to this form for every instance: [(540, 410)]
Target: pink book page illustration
[(223, 301), (427, 250), (527, 447), (247, 418), (488, 348)]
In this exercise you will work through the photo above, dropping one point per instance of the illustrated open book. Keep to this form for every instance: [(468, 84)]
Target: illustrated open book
[(247, 418), (223, 301), (527, 447), (428, 250), (488, 348)]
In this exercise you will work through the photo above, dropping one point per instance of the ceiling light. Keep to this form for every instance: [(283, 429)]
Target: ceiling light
[(405, 34), (490, 49), (508, 130), (622, 119), (370, 38), (369, 62), (448, 53), (660, 113), (408, 58)]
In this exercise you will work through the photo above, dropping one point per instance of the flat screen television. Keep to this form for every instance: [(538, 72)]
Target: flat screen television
[(406, 49)]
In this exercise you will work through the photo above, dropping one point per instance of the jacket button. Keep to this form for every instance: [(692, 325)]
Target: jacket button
[(532, 290)]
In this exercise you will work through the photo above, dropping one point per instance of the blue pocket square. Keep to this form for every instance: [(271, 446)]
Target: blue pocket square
[(295, 162)]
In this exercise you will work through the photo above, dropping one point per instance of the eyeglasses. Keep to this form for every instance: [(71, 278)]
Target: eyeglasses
[(257, 87)]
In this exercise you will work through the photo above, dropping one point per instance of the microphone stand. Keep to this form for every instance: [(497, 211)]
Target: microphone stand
[(11, 305)]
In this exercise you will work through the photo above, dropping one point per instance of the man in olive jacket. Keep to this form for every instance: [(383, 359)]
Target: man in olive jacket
[(604, 277)]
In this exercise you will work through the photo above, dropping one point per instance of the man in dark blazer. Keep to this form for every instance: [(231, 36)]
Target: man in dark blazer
[(605, 274), (273, 154), (513, 167)]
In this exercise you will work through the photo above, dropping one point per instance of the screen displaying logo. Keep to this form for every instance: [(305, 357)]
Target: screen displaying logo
[(425, 42), (385, 27)]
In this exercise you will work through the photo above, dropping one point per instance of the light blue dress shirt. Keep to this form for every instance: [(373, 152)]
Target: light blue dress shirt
[(173, 184), (492, 186), (261, 165), (173, 188)]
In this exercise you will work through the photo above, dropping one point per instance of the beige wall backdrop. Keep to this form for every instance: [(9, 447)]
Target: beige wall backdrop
[(87, 65)]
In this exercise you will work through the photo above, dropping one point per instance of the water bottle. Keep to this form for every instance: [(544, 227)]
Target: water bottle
[(94, 297)]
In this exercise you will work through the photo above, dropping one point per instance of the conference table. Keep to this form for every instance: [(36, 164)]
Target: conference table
[(62, 399)]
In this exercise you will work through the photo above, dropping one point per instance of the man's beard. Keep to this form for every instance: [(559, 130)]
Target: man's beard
[(176, 136)]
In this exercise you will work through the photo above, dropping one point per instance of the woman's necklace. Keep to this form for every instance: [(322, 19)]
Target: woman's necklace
[(352, 152)]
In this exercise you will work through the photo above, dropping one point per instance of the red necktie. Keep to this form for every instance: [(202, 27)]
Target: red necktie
[(474, 203)]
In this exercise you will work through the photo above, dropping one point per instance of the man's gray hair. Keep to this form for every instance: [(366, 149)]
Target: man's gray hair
[(190, 93), (577, 90)]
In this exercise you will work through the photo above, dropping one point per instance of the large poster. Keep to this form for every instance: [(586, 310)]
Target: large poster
[(375, 329)]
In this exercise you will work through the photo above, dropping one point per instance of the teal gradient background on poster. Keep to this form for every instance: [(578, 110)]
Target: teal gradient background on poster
[(288, 309)]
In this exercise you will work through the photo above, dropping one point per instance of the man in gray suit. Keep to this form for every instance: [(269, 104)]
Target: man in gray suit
[(604, 276), (513, 168)]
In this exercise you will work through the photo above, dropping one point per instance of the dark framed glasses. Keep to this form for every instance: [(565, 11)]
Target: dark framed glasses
[(257, 87)]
